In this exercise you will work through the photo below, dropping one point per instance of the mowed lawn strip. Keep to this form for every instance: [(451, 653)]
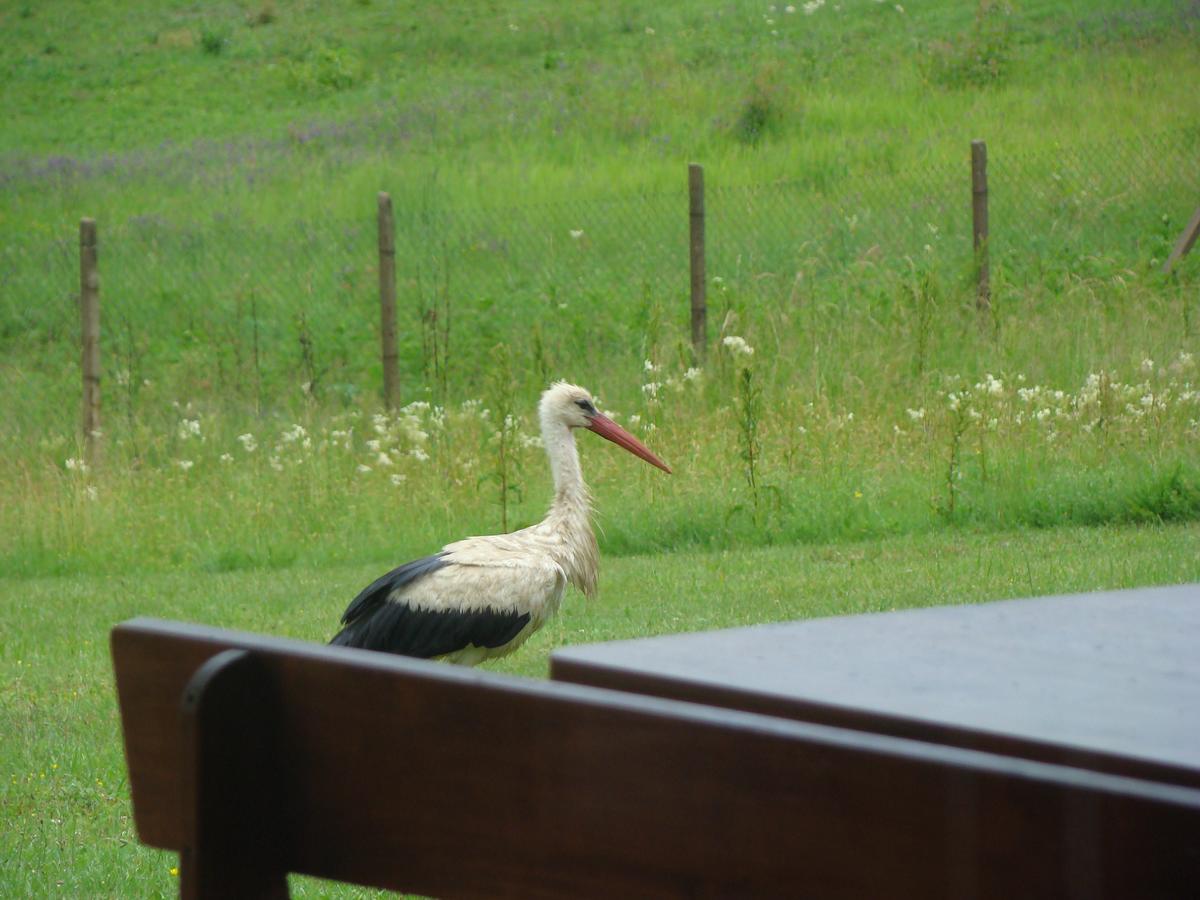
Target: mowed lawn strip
[(67, 830)]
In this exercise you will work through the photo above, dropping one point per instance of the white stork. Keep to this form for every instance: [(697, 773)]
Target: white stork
[(482, 597)]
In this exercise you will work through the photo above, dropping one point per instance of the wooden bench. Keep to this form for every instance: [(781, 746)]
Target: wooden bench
[(254, 757)]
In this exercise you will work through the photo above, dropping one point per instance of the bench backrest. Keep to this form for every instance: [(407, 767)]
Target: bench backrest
[(255, 756)]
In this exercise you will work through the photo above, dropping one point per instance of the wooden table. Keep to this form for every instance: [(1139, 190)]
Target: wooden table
[(1106, 681)]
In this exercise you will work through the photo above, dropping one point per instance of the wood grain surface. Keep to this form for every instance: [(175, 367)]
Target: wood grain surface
[(424, 777)]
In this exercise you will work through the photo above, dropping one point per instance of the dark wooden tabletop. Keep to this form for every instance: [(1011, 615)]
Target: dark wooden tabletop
[(1108, 681)]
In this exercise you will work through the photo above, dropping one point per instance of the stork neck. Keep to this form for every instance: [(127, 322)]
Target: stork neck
[(569, 489)]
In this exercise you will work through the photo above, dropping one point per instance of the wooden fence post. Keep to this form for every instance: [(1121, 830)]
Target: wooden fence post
[(89, 318), (387, 302), (979, 214), (699, 300), (1185, 242)]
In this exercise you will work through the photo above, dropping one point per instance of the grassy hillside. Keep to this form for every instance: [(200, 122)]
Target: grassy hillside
[(536, 156)]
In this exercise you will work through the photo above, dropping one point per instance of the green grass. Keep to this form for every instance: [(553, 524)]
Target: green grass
[(906, 450), (67, 827)]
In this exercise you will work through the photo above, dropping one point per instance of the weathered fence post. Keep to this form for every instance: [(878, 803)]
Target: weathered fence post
[(387, 302), (699, 300), (979, 214), (1185, 242), (89, 319)]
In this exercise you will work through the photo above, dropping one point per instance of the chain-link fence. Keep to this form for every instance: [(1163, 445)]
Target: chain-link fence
[(225, 311)]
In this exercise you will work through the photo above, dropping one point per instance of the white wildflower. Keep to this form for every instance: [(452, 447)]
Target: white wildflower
[(90, 492), (1147, 366), (361, 467), (738, 346), (398, 478), (373, 445), (413, 430), (991, 385), (576, 233), (75, 465), (383, 460), (249, 444), (692, 374), (184, 464), (226, 457), (650, 367), (650, 389), (916, 414), (189, 428), (418, 454), (276, 463)]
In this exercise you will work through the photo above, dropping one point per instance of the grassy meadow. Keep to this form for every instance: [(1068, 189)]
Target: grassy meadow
[(858, 436)]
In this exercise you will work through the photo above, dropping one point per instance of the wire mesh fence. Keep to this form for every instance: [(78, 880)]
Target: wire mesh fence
[(234, 312)]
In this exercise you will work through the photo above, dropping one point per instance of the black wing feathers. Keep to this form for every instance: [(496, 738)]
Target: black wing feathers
[(374, 623), (376, 593), (397, 628)]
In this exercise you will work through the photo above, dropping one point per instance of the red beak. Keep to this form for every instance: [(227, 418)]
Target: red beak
[(607, 428)]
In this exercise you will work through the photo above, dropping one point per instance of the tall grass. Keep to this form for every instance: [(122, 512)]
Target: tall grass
[(846, 445), (535, 156)]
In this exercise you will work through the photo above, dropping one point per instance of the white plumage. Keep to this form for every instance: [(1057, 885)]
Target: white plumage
[(482, 597)]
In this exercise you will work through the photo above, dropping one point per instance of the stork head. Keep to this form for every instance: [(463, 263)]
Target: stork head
[(571, 406)]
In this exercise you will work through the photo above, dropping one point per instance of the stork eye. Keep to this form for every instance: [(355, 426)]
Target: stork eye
[(585, 405)]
